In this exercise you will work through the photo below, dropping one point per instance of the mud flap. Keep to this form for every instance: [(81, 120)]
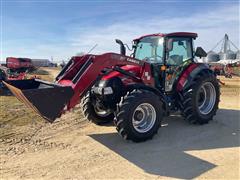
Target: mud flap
[(45, 98)]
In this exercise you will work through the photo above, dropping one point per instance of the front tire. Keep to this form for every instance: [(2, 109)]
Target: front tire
[(96, 115), (201, 99), (138, 116)]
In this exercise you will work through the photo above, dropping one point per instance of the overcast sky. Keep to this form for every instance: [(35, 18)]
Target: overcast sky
[(41, 29)]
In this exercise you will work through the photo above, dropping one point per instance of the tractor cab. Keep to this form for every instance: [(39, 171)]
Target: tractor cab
[(167, 49), (168, 54)]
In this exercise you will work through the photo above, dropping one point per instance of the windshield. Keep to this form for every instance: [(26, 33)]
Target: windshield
[(150, 49)]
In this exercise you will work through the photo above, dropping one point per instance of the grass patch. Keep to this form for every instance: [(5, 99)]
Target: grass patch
[(42, 74), (39, 72)]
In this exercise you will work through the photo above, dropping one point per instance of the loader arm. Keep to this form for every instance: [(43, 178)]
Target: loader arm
[(90, 69), (51, 100)]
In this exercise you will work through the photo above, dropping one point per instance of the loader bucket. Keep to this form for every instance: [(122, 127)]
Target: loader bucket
[(45, 98)]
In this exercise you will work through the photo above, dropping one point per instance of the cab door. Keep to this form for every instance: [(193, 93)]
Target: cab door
[(179, 54)]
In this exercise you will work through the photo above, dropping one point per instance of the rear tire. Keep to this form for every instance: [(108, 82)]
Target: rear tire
[(93, 114), (138, 116), (201, 99)]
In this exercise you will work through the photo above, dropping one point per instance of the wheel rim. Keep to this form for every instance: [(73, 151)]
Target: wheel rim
[(206, 98), (144, 117), (101, 112)]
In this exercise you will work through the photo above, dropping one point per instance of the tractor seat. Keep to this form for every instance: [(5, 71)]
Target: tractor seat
[(175, 60)]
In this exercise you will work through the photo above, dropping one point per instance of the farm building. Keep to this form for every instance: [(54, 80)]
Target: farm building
[(41, 62)]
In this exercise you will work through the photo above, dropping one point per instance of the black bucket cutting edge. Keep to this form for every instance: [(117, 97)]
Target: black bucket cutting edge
[(45, 98)]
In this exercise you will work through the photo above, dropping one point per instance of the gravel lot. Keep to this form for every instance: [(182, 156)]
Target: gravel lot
[(74, 148)]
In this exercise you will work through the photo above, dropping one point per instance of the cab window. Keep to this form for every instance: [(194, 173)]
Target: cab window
[(180, 52), (150, 49)]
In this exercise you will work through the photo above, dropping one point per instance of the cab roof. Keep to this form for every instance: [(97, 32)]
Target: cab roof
[(174, 34)]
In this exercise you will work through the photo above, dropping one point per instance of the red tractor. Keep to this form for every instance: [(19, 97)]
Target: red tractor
[(136, 92)]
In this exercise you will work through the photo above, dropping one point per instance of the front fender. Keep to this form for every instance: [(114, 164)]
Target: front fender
[(164, 98)]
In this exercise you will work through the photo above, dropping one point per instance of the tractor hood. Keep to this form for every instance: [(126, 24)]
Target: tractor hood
[(129, 68)]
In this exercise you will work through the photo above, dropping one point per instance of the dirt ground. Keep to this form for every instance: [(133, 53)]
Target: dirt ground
[(72, 148)]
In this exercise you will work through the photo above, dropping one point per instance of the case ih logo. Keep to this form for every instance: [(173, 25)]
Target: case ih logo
[(133, 60), (148, 77)]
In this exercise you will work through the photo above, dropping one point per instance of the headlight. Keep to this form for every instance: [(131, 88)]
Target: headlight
[(107, 90), (103, 91)]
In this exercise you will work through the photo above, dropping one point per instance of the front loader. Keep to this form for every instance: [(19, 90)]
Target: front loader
[(136, 91)]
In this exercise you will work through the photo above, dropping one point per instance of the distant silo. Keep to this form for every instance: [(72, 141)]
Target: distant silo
[(238, 54), (212, 57), (229, 54)]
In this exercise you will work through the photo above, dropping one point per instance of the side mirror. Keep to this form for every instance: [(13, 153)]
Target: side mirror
[(200, 52), (169, 44), (122, 47)]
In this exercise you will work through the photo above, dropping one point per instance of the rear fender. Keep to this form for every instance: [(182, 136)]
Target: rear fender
[(189, 74)]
